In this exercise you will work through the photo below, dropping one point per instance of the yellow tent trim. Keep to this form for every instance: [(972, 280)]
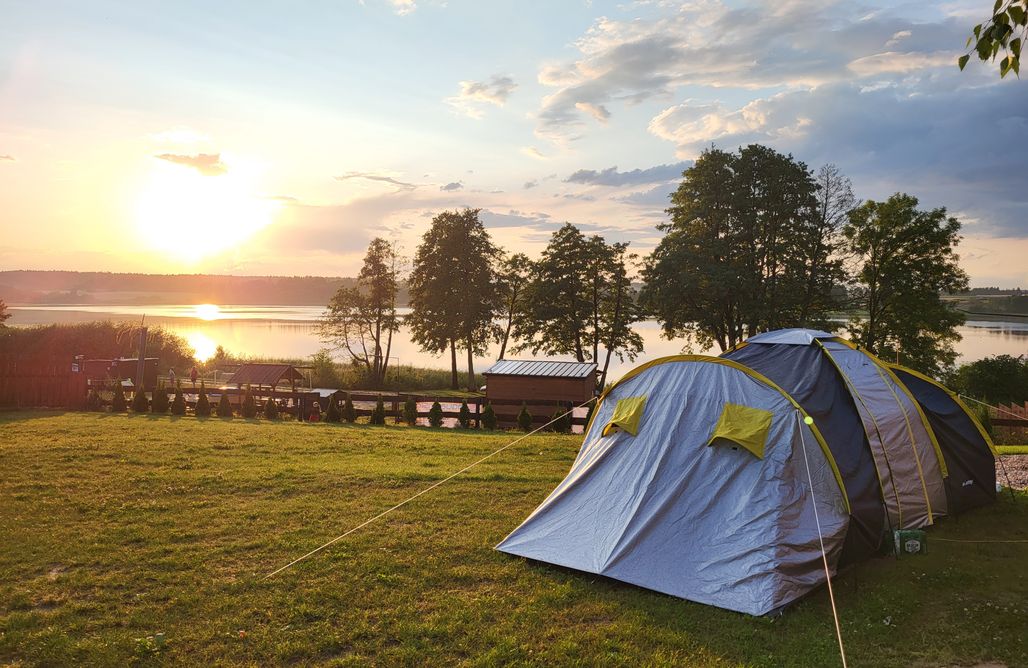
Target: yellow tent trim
[(956, 398), (627, 414), (743, 425), (749, 372)]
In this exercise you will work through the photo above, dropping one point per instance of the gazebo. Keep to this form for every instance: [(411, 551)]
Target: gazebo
[(267, 375)]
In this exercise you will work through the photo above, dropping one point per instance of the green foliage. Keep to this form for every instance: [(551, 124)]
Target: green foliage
[(224, 406), (378, 413), (324, 372), (998, 379), (160, 403), (410, 411), (95, 340), (452, 289), (4, 314), (118, 402), (332, 412), (178, 404), (905, 258), (271, 409), (140, 404), (1005, 32), (750, 247), (512, 281), (524, 419), (562, 420), (248, 409), (464, 415), (203, 404), (349, 412), (489, 420), (435, 415), (93, 401)]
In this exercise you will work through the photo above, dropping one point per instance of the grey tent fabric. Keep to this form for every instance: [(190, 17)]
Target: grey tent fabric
[(671, 511), (793, 336), (901, 443)]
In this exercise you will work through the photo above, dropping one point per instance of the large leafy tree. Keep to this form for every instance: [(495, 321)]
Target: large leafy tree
[(1005, 32), (4, 315), (998, 379), (511, 288), (361, 320), (748, 248), (452, 289), (904, 260), (619, 310)]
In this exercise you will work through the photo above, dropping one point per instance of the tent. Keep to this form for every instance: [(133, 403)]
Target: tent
[(698, 478)]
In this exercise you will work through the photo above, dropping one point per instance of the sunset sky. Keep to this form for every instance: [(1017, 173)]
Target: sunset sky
[(278, 138)]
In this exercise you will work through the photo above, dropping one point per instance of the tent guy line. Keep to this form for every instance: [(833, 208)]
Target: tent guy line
[(427, 489)]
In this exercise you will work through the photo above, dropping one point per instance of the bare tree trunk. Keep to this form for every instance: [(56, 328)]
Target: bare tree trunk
[(506, 337), (389, 347), (471, 366), (454, 385)]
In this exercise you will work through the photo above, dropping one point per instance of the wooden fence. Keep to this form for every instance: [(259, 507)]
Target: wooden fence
[(39, 383)]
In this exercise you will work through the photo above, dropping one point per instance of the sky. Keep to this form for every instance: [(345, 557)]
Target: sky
[(280, 138)]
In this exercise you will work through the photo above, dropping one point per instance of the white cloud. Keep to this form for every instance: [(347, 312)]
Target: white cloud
[(474, 94)]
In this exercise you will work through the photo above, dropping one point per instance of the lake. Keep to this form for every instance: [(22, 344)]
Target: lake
[(288, 331)]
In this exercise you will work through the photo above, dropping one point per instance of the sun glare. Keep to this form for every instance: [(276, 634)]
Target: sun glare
[(191, 216), (207, 311), (203, 345)]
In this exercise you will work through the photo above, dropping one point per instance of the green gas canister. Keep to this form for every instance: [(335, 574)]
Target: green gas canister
[(910, 541)]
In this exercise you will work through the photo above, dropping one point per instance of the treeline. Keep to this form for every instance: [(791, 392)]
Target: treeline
[(754, 240), (45, 344)]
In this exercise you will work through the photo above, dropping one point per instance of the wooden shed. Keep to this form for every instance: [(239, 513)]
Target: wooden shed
[(267, 375), (528, 380)]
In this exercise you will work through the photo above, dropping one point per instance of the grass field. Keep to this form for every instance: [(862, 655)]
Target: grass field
[(115, 529)]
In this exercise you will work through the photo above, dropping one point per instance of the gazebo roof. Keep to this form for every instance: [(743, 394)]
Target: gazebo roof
[(265, 374)]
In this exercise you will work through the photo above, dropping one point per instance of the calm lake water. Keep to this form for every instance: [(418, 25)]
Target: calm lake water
[(288, 331)]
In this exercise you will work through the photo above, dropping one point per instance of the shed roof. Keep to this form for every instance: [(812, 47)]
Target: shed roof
[(541, 368), (265, 374)]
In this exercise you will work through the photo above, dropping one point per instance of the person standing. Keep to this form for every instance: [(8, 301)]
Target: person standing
[(192, 376), (171, 378)]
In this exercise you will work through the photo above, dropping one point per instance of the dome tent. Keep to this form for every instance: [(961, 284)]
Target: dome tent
[(698, 478)]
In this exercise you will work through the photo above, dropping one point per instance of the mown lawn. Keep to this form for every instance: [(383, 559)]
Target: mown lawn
[(114, 529)]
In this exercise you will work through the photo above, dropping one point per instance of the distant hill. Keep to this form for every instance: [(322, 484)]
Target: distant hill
[(73, 287)]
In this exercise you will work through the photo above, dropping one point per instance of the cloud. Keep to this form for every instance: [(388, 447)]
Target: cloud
[(901, 63), (374, 176), (612, 177), (452, 186), (208, 164), (530, 184), (7, 158), (533, 152), (474, 94), (403, 7)]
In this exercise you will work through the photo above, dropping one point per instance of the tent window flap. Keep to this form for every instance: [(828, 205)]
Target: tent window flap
[(744, 426), (627, 415)]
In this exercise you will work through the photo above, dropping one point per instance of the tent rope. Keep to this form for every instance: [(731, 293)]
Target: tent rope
[(1002, 465), (983, 540), (424, 491), (821, 539)]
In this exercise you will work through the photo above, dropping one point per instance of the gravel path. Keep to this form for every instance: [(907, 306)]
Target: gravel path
[(1017, 469)]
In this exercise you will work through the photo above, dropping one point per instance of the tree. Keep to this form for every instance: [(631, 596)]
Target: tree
[(224, 406), (378, 413), (410, 411), (561, 420), (140, 404), (332, 412), (349, 412), (248, 408), (823, 266), (118, 402), (464, 415), (435, 415), (489, 420), (740, 253), (619, 310), (93, 402), (1006, 31), (998, 379), (511, 287), (4, 314), (203, 404), (904, 260), (178, 404), (452, 289), (361, 319), (271, 409), (159, 405), (524, 419)]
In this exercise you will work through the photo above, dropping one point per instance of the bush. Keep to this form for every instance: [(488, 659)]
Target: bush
[(489, 417), (271, 409), (410, 411), (118, 403), (349, 412), (249, 407), (464, 415), (203, 405), (93, 402), (178, 404), (524, 419), (160, 403), (224, 406), (332, 413), (378, 415), (562, 420), (140, 404), (435, 415)]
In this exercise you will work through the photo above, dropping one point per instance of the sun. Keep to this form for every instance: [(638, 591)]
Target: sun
[(207, 311), (190, 216), (204, 347)]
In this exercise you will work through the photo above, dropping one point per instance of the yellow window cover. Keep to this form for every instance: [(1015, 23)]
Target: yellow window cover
[(743, 426), (627, 414)]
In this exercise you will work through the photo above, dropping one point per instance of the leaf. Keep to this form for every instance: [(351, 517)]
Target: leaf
[(977, 31), (995, 8), (1015, 64), (1017, 14), (1015, 47), (1004, 67), (962, 61)]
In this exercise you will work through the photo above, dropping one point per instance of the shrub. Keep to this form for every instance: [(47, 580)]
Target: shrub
[(203, 405), (410, 411), (271, 409), (224, 406), (464, 415), (435, 415), (249, 407), (118, 403), (160, 403), (332, 413), (524, 419), (140, 404), (489, 417), (93, 402), (178, 404), (349, 412), (562, 420), (378, 415)]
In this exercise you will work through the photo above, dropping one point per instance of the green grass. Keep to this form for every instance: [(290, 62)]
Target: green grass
[(116, 528), (1012, 449)]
